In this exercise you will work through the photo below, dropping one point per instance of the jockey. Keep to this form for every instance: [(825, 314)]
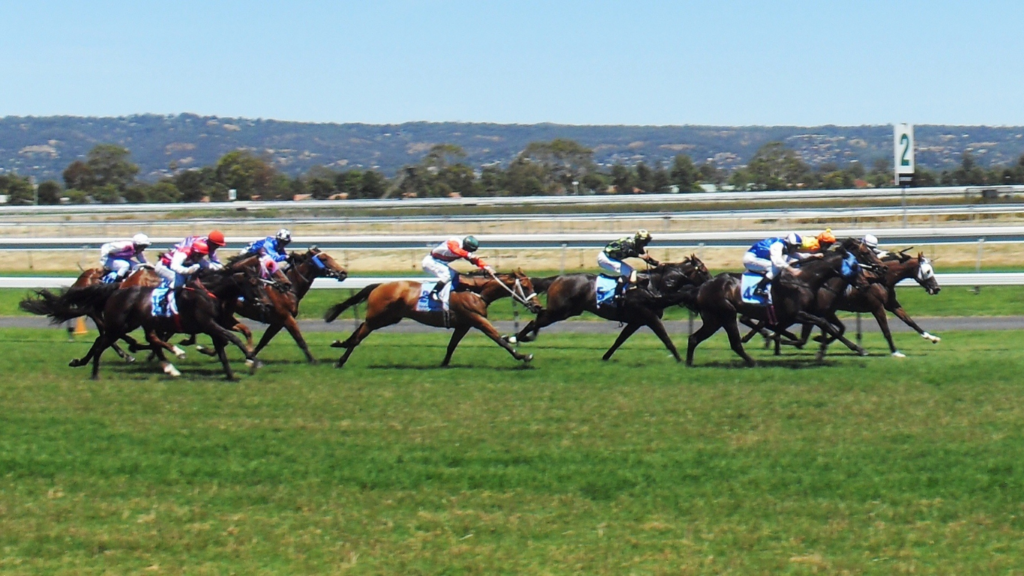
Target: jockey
[(439, 260), (271, 251), (769, 257), (870, 241), (813, 246), (117, 256), (611, 258), (188, 257)]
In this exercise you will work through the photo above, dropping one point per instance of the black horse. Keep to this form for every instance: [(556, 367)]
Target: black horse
[(794, 292), (202, 304), (660, 287)]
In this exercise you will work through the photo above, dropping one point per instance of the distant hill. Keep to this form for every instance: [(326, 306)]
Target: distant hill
[(44, 146)]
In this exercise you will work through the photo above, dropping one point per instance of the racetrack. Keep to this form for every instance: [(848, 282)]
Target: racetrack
[(573, 465)]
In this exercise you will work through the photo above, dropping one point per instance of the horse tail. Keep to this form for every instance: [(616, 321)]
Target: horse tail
[(70, 303), (334, 311), (540, 285), (42, 304)]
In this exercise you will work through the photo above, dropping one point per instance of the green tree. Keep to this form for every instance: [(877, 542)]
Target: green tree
[(622, 179), (441, 156), (320, 188), (525, 178), (249, 175), (373, 184), (194, 185), (684, 174), (164, 192), (458, 178), (644, 177), (49, 192), (563, 161), (18, 189), (78, 176), (777, 167), (350, 183), (109, 166)]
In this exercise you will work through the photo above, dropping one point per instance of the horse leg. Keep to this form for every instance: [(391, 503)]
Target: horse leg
[(902, 315), (827, 327), (216, 331), (628, 331), (659, 330), (736, 342), (709, 325), (292, 326), (532, 329), (219, 344), (358, 336), (101, 344), (482, 324), (883, 323), (268, 335), (158, 345), (457, 336)]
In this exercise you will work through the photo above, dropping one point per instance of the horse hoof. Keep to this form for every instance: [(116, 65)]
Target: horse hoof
[(200, 348), (931, 338), (129, 359), (253, 365), (337, 344), (510, 339), (75, 363), (862, 352), (171, 371), (528, 358), (178, 352), (898, 354)]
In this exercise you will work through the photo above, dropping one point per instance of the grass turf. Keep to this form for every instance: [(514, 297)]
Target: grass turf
[(638, 465)]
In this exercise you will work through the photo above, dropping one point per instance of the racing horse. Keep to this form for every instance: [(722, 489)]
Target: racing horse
[(660, 287), (203, 305), (794, 293), (879, 297), (284, 305), (391, 302), (45, 301)]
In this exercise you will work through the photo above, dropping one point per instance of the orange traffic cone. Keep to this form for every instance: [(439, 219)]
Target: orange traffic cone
[(80, 329)]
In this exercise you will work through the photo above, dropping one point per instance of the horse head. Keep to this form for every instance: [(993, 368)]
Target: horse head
[(315, 263), (523, 291), (926, 275), (671, 276), (864, 254)]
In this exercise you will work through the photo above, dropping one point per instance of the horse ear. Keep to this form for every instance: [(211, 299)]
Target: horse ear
[(314, 249)]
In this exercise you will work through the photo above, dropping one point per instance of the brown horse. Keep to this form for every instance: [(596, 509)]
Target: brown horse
[(284, 306), (878, 297), (660, 287), (45, 301), (389, 303), (794, 293), (201, 309)]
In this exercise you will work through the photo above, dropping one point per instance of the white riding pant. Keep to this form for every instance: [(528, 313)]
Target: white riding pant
[(762, 266), (438, 268), (119, 265), (614, 267)]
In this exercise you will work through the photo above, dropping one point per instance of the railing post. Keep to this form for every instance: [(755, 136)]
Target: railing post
[(977, 263), (565, 246), (860, 333)]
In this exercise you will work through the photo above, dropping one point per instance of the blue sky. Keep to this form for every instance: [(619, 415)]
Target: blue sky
[(631, 62)]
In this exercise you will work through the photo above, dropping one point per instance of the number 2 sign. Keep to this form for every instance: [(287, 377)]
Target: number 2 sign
[(903, 145)]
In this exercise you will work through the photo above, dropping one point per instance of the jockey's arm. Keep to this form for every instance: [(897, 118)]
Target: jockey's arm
[(777, 255), (141, 257), (178, 263)]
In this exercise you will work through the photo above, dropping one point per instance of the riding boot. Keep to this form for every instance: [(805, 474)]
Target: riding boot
[(621, 283), (435, 294), (762, 287)]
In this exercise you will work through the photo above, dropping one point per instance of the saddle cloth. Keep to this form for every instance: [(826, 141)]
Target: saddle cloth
[(163, 302), (604, 290), (109, 278), (749, 283), (428, 304)]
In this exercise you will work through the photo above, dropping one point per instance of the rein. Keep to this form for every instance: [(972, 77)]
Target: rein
[(518, 294)]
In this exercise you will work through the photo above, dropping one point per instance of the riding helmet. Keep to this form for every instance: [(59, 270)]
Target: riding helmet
[(870, 241), (470, 244), (141, 240), (643, 236), (216, 238), (794, 239), (201, 247), (284, 236)]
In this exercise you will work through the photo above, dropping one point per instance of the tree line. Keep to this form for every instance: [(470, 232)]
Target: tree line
[(558, 167)]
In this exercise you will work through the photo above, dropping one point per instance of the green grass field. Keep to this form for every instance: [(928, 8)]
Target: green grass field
[(638, 465)]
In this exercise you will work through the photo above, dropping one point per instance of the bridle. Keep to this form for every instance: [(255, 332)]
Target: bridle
[(518, 293)]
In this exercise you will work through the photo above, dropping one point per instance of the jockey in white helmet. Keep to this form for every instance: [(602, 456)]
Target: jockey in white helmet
[(124, 255), (769, 257)]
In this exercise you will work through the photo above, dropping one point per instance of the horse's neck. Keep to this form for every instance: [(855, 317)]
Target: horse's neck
[(301, 281), (899, 271), (816, 274), (494, 291)]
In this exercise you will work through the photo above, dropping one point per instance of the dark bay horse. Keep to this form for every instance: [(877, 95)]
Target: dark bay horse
[(390, 302), (794, 292), (44, 302), (660, 287), (201, 309), (878, 297)]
